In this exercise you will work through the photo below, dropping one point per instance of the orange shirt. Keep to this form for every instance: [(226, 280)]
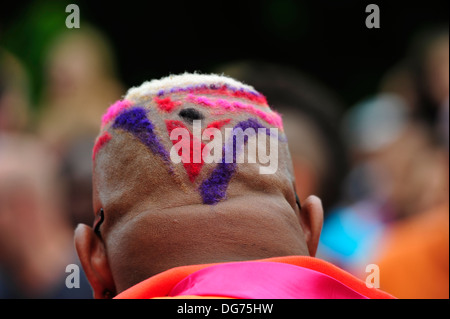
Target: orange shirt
[(415, 261), (161, 284)]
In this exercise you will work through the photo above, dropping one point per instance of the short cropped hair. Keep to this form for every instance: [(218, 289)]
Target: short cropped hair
[(135, 136)]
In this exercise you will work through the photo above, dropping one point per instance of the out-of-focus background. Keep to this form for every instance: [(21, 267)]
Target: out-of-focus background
[(366, 112)]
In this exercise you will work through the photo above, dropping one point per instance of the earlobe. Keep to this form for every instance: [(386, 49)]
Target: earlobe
[(91, 252), (311, 220)]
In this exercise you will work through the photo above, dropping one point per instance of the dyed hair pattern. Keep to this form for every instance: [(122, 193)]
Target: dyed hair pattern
[(226, 96), (213, 189)]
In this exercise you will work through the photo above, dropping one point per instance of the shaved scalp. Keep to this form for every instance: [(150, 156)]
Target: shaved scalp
[(155, 213), (133, 147)]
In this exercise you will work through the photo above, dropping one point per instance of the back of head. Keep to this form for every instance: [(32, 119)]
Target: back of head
[(140, 144), (192, 168)]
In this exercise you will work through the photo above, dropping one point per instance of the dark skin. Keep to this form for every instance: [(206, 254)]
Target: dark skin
[(218, 237), (151, 224)]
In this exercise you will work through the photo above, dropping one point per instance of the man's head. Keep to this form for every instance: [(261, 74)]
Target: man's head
[(191, 169)]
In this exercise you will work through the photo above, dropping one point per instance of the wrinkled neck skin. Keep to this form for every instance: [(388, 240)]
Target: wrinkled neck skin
[(145, 241)]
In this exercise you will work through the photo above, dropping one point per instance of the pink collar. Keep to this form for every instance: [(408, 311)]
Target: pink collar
[(263, 280)]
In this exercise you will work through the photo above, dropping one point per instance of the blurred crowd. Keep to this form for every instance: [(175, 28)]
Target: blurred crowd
[(45, 161), (394, 208), (380, 166)]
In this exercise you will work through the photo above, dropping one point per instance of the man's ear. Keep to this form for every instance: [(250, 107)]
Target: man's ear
[(92, 255), (311, 220)]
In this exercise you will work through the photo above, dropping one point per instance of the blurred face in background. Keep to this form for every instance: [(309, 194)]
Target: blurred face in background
[(73, 64), (14, 94), (29, 200), (437, 70)]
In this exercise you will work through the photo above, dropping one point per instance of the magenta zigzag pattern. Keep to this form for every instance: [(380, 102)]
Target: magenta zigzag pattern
[(273, 118), (221, 89)]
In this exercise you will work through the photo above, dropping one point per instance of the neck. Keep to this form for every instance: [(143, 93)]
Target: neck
[(240, 228)]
